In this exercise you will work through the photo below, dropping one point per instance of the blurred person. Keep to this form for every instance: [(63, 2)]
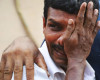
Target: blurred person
[(69, 27)]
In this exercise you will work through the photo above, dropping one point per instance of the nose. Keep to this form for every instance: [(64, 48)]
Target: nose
[(60, 40)]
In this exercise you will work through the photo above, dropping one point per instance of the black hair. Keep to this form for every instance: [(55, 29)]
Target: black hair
[(69, 6)]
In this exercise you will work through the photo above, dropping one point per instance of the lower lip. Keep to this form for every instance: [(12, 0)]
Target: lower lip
[(61, 58), (60, 54)]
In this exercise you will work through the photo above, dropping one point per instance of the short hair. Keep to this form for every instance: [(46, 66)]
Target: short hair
[(69, 6)]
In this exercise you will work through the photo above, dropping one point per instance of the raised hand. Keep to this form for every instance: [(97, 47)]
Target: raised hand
[(78, 43), (78, 40)]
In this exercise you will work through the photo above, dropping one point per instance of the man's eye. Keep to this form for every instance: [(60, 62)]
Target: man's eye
[(52, 25), (55, 27)]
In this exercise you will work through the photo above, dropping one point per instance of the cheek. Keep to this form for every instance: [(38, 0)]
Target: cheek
[(51, 36)]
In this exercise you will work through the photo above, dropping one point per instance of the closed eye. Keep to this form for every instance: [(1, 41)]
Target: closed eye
[(55, 27)]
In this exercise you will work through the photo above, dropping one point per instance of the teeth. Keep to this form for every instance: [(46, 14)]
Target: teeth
[(60, 51)]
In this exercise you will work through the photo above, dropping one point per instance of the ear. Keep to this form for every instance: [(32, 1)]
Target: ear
[(44, 24)]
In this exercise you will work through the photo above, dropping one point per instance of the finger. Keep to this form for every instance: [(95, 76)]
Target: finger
[(39, 60), (68, 34), (2, 65), (73, 40), (80, 16), (18, 68), (29, 67), (89, 14), (95, 16), (96, 29), (70, 29), (8, 68)]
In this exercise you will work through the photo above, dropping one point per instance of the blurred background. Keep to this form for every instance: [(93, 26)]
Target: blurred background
[(20, 18)]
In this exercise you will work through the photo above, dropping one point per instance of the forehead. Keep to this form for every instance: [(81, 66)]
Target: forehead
[(57, 14)]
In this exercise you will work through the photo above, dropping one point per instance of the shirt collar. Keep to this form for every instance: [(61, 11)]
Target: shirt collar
[(52, 68), (89, 72)]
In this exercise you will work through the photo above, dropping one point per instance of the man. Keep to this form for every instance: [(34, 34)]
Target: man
[(69, 29)]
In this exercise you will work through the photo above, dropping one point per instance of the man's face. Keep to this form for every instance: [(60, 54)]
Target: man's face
[(54, 29)]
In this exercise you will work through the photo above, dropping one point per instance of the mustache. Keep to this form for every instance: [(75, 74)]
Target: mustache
[(57, 46)]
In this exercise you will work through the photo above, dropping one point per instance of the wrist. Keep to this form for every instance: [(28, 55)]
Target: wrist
[(75, 69), (76, 64)]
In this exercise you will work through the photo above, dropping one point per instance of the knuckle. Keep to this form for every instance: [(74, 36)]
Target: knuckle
[(92, 24), (30, 67), (1, 70), (18, 69), (19, 51), (89, 17), (29, 78), (4, 55), (7, 70), (69, 29), (81, 17)]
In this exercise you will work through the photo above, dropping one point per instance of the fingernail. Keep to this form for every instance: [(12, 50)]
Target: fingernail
[(91, 4), (85, 3), (70, 21), (96, 12)]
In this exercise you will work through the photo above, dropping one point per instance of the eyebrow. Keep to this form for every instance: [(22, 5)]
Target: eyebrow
[(54, 22)]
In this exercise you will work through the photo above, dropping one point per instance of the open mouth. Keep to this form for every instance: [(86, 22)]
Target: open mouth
[(60, 57), (59, 52), (58, 49)]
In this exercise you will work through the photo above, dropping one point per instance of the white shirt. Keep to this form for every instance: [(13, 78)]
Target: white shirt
[(55, 72)]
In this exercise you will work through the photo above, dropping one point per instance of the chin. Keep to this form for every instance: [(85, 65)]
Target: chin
[(60, 61), (58, 57)]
